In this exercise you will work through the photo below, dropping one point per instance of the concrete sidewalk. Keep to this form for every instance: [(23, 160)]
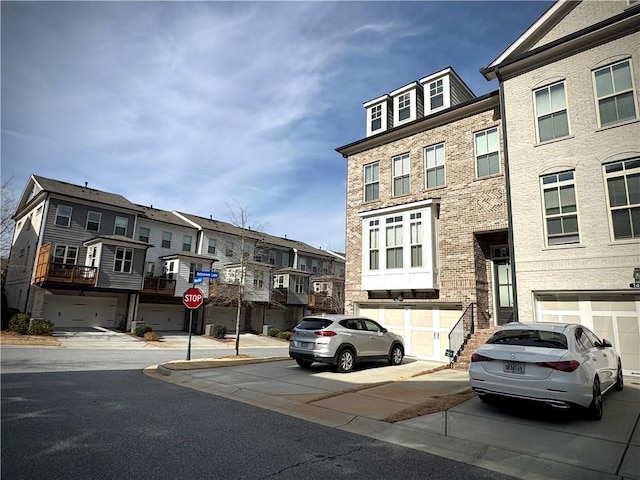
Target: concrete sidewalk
[(519, 443)]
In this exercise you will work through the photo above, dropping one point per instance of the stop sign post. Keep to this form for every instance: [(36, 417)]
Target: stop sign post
[(192, 299)]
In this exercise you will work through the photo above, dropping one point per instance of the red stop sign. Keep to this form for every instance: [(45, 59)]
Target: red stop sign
[(192, 298)]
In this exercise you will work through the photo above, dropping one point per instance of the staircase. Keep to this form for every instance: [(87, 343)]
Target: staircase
[(476, 339)]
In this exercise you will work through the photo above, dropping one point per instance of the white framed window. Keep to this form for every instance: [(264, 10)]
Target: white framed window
[(124, 260), (487, 152), (258, 280), (551, 112), (303, 263), (65, 254), (372, 182), (63, 216), (272, 257), (374, 244), (212, 246), (166, 239), (436, 94), (143, 235), (151, 270), (92, 255), (315, 265), (401, 178), (376, 117), (278, 281), (121, 226), (560, 208), (299, 284), (394, 242), (93, 221), (404, 106), (415, 240), (285, 259), (186, 243), (623, 196), (615, 93), (434, 166)]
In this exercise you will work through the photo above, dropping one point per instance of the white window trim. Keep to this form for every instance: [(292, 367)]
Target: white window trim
[(59, 215), (365, 184), (168, 239), (99, 222), (404, 174), (147, 236), (558, 185), (476, 155), (437, 166), (126, 225), (551, 111), (633, 90), (123, 260), (620, 173)]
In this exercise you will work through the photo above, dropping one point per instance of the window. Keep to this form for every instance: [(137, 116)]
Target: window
[(614, 90), (278, 281), (325, 266), (66, 255), (193, 268), (144, 234), (186, 243), (121, 226), (63, 216), (93, 221), (92, 254), (487, 156), (299, 284), (151, 270), (436, 94), (166, 239), (374, 245), (371, 182), (376, 117), (560, 208), (404, 106), (285, 259), (551, 112), (315, 266), (394, 242), (401, 174), (258, 280), (229, 250), (124, 260), (212, 246), (272, 257), (434, 165), (623, 188), (416, 239), (303, 263)]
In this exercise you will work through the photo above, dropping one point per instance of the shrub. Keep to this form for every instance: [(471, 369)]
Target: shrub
[(284, 335), (273, 332), (141, 329), (218, 331), (40, 326), (151, 337), (19, 323)]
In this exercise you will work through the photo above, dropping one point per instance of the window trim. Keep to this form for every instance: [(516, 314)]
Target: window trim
[(476, 155), (615, 94), (557, 185), (435, 168), (184, 243), (551, 113), (376, 192), (212, 242), (627, 167), (375, 115), (61, 215), (123, 261), (407, 175), (115, 226), (65, 257), (166, 237), (97, 229), (146, 237)]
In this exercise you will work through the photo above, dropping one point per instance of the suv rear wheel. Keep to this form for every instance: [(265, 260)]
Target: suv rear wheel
[(346, 361), (396, 354)]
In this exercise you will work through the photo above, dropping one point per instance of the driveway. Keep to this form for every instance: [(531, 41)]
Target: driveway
[(524, 443)]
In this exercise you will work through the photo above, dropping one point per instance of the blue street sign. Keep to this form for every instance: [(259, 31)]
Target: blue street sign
[(197, 280), (207, 274)]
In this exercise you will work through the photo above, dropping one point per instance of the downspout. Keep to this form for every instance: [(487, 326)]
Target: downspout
[(295, 258), (512, 256)]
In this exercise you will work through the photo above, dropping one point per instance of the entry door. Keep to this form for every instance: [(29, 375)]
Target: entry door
[(503, 291)]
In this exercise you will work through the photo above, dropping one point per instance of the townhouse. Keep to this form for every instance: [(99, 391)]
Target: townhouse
[(427, 244), (572, 125), (88, 258)]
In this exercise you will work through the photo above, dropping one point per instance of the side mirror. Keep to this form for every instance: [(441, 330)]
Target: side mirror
[(606, 343), (383, 330)]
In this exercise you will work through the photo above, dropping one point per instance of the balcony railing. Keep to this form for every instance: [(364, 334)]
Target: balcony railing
[(159, 286), (321, 301), (64, 273)]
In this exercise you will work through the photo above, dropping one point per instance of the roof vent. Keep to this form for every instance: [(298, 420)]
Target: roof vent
[(86, 184)]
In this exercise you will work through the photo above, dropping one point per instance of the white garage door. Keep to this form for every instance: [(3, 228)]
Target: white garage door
[(425, 330), (162, 318), (80, 311), (614, 317)]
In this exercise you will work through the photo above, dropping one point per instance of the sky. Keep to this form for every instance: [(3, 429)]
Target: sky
[(206, 107)]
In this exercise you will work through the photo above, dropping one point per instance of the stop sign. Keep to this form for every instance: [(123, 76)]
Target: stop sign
[(192, 298)]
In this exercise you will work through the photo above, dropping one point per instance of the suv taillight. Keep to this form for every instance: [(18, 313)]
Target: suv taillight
[(325, 333)]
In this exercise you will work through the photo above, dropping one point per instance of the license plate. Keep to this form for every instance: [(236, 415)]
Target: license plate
[(305, 345), (517, 368)]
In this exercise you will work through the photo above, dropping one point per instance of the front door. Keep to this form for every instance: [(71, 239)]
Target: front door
[(503, 291)]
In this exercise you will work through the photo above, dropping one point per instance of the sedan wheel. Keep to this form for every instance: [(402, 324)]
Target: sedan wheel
[(619, 385), (396, 355), (346, 361), (595, 409)]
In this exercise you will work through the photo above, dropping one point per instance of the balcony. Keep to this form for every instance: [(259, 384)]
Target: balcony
[(63, 273), (321, 301), (159, 286)]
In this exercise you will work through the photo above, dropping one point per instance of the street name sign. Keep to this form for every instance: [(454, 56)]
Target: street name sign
[(207, 274)]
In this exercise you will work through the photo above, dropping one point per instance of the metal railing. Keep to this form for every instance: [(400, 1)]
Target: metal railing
[(461, 332)]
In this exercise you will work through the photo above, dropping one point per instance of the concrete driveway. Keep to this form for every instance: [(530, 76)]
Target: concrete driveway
[(524, 443)]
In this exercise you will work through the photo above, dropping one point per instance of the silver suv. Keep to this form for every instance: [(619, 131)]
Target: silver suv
[(342, 340)]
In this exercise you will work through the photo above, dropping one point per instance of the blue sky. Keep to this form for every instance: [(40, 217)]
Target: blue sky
[(195, 106)]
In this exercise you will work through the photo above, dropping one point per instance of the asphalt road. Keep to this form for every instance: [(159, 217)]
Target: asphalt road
[(119, 424)]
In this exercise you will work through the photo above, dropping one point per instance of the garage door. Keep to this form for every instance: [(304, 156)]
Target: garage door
[(276, 318), (226, 316), (80, 311), (162, 317), (614, 317), (425, 329)]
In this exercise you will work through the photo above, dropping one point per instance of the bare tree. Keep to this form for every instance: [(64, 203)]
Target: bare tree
[(7, 209)]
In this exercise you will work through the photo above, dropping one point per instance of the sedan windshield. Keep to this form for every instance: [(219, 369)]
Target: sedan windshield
[(529, 338)]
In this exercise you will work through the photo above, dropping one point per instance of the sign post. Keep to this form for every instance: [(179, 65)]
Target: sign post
[(192, 299)]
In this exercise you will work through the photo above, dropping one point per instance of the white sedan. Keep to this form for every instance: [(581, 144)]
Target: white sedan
[(558, 364)]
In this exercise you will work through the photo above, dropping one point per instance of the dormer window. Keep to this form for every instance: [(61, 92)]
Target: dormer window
[(404, 106), (376, 118), (436, 95), (378, 112)]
